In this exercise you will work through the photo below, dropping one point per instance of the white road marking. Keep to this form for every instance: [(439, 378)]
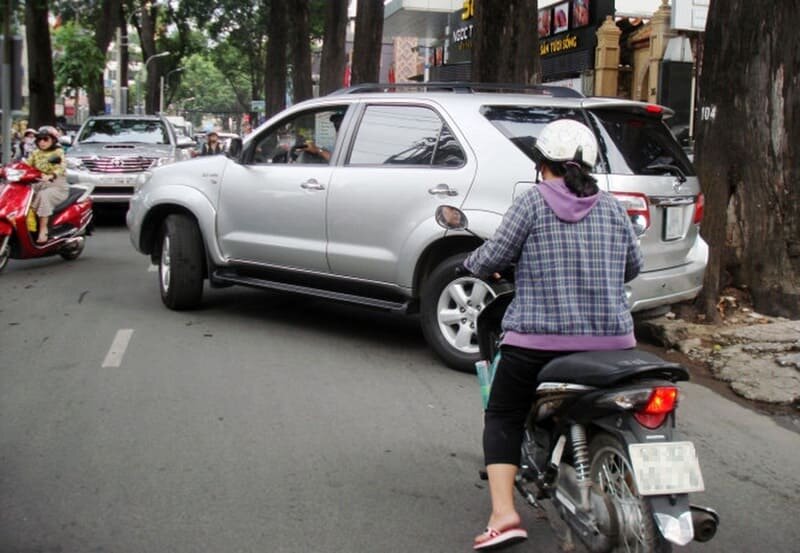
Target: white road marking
[(152, 268), (118, 347)]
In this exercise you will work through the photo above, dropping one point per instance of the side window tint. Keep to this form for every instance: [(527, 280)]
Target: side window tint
[(397, 135), (448, 151), (308, 137)]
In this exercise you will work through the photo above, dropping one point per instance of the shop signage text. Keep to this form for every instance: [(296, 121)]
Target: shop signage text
[(559, 45)]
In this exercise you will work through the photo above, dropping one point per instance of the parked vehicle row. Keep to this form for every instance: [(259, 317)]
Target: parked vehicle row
[(335, 196)]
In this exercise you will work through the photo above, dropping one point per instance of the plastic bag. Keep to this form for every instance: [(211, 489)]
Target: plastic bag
[(32, 221), (486, 372)]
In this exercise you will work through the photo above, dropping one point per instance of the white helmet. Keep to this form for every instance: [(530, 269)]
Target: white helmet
[(567, 140)]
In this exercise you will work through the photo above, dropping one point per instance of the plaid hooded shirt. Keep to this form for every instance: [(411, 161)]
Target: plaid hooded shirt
[(574, 256)]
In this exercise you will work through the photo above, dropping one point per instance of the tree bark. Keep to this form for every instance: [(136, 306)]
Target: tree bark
[(747, 153), (147, 34), (367, 42), (505, 44), (275, 71), (334, 60), (104, 29), (301, 50), (41, 79)]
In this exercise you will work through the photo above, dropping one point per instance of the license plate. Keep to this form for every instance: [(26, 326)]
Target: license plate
[(119, 181), (673, 223), (666, 468)]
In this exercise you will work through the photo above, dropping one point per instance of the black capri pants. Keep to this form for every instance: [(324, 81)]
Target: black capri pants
[(513, 391)]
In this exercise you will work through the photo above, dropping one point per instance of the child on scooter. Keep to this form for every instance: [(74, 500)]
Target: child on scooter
[(52, 189)]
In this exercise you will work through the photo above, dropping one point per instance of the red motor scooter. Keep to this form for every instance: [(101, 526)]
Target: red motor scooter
[(70, 223)]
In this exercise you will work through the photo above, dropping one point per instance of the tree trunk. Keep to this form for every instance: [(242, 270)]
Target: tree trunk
[(301, 50), (147, 35), (505, 44), (747, 152), (275, 72), (367, 42), (122, 71), (333, 61), (42, 94), (104, 30)]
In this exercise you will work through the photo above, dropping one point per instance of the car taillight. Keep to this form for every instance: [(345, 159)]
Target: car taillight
[(699, 207), (638, 209), (662, 402)]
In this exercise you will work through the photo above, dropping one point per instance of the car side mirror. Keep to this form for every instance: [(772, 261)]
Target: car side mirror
[(65, 140), (234, 148)]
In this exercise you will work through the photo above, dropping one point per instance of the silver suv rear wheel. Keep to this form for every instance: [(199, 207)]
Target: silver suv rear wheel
[(450, 306)]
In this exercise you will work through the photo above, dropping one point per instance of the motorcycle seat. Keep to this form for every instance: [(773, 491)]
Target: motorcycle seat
[(75, 192), (603, 369)]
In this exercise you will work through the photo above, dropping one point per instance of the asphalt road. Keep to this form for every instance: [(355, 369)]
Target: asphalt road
[(277, 423)]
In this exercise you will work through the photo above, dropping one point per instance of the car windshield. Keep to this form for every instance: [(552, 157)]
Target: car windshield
[(640, 145), (124, 130)]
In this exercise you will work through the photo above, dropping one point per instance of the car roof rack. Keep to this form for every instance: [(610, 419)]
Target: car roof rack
[(462, 87)]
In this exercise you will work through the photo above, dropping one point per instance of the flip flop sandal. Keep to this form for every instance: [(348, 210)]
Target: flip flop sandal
[(498, 539)]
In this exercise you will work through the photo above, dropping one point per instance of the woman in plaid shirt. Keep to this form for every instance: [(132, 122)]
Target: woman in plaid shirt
[(575, 249)]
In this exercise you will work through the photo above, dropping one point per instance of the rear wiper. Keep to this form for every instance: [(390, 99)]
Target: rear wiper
[(671, 169)]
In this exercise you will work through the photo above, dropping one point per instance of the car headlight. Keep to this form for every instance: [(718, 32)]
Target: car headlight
[(75, 164), (162, 161)]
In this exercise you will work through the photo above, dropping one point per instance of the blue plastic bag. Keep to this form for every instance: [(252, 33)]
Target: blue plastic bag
[(486, 371)]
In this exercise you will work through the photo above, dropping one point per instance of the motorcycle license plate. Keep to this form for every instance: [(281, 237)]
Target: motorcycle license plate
[(666, 468)]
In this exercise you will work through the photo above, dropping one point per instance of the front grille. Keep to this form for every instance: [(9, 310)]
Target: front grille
[(130, 164)]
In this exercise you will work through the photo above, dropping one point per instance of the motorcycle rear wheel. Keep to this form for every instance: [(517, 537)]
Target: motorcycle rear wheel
[(611, 472), (72, 252), (5, 253)]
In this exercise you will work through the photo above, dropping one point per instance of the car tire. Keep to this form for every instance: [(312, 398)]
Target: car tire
[(449, 305), (180, 266)]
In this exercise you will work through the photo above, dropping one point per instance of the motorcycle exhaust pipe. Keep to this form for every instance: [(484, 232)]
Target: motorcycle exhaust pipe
[(705, 522)]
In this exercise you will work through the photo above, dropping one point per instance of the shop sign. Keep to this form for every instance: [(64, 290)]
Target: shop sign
[(461, 30), (570, 26)]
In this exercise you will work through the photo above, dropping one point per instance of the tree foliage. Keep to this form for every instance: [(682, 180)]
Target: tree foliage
[(77, 59)]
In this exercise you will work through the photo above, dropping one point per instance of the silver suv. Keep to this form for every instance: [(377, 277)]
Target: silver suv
[(111, 151), (336, 197)]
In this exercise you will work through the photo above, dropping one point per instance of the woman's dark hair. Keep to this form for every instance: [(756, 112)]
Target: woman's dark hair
[(576, 176)]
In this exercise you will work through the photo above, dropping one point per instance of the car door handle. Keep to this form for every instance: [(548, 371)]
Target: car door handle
[(442, 189), (312, 184)]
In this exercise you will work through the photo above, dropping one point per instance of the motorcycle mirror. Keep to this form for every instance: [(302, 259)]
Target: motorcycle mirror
[(451, 218), (54, 159)]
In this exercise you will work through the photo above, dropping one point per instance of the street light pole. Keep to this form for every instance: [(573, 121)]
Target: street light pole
[(165, 78), (139, 77)]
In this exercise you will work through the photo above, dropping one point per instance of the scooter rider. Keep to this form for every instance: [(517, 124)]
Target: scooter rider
[(574, 249), (52, 189)]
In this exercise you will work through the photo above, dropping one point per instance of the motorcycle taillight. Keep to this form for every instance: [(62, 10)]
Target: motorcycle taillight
[(662, 402)]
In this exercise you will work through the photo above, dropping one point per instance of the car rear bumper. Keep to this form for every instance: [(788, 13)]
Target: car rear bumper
[(667, 286)]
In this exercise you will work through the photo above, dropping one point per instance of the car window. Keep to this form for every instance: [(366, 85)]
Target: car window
[(639, 144), (404, 135), (307, 137), (522, 124), (124, 130)]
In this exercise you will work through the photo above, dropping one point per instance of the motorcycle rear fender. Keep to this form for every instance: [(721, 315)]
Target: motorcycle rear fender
[(5, 229), (673, 517), (629, 431)]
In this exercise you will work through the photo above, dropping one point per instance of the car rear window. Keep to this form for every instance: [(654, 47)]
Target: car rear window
[(522, 124), (124, 130), (639, 144)]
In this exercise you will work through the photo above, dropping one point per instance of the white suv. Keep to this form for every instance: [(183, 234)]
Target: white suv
[(336, 197)]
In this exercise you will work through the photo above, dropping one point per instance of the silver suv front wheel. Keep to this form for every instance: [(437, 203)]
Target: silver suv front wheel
[(450, 305)]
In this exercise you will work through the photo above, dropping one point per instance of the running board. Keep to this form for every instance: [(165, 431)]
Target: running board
[(233, 278)]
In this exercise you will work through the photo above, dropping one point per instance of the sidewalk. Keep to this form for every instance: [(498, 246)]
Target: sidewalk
[(758, 356)]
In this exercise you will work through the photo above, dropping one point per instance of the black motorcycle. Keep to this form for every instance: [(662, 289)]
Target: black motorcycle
[(600, 443)]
